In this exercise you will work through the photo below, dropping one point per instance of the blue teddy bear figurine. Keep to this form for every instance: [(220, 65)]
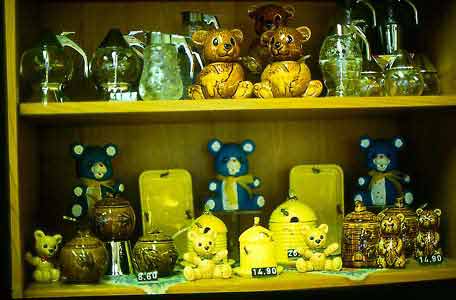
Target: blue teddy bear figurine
[(233, 186), (94, 168), (384, 183)]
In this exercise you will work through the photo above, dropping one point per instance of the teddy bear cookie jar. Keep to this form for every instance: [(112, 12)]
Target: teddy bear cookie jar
[(287, 75), (390, 247), (427, 243), (223, 76), (46, 247), (317, 257), (233, 186)]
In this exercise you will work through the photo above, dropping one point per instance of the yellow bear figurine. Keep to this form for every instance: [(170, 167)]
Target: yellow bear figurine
[(288, 75), (205, 259), (316, 256), (224, 76), (46, 247)]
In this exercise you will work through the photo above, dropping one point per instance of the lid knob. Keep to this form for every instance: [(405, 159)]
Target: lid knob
[(256, 221), (359, 206), (399, 202)]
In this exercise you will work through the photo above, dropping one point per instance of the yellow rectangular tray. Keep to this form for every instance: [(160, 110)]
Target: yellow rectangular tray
[(166, 202), (322, 188)]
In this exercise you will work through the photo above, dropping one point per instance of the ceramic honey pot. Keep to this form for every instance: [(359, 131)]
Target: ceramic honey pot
[(207, 221), (286, 224), (84, 259), (288, 74), (257, 254), (155, 251), (361, 233)]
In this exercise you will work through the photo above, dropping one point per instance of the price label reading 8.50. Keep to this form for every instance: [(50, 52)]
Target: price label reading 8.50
[(263, 272), (293, 253), (430, 260), (147, 276)]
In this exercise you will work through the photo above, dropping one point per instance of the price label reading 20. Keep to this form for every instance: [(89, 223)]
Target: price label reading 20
[(263, 272)]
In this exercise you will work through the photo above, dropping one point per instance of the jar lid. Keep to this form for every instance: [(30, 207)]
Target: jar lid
[(156, 236), (84, 239), (256, 233), (112, 202), (400, 208), (293, 211), (207, 219), (361, 214)]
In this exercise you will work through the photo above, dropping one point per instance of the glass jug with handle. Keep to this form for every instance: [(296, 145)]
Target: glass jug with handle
[(48, 68)]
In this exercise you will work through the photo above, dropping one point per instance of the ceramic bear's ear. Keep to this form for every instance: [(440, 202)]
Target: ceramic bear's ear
[(266, 37), (252, 11), (39, 234), (401, 217), (214, 146), (238, 35), (77, 150), (58, 238), (212, 234), (365, 142), (192, 235), (419, 211), (248, 146), (305, 32), (438, 212), (323, 227), (398, 142), (199, 37), (290, 10), (111, 150)]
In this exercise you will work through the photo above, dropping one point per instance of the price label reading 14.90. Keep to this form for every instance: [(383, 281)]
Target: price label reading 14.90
[(430, 260), (147, 276), (264, 272)]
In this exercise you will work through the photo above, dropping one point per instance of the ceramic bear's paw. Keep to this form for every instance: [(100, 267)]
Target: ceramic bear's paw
[(263, 90), (337, 264), (244, 90), (189, 273), (195, 92), (314, 89)]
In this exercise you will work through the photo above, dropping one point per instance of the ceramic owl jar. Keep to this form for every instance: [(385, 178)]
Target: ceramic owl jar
[(288, 74), (223, 76), (233, 187)]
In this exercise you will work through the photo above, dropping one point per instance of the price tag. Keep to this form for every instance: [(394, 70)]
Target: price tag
[(293, 253), (264, 272), (147, 276), (430, 259)]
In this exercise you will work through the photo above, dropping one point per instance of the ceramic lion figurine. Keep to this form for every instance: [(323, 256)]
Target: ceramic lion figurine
[(207, 263), (287, 75), (223, 76)]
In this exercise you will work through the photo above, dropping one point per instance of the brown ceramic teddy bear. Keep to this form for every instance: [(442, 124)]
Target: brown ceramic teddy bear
[(205, 260), (428, 238), (266, 17), (390, 248), (288, 75), (224, 76)]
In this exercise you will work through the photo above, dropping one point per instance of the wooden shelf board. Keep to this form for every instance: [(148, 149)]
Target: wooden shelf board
[(286, 281), (245, 109)]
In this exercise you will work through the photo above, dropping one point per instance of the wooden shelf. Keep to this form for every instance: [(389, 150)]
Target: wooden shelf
[(286, 281), (222, 109)]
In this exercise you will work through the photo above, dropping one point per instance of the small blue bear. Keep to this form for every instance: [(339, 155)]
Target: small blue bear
[(233, 186), (384, 183), (94, 168)]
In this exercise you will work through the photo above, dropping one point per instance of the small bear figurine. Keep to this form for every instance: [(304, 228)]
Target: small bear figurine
[(46, 247), (390, 247), (428, 238), (223, 76), (287, 75), (204, 258), (316, 256), (233, 186), (94, 168), (266, 17), (384, 183)]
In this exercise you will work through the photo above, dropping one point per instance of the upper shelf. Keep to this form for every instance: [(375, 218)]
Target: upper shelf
[(227, 109)]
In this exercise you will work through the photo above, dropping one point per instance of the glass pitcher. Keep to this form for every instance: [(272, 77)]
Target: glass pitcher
[(161, 76), (48, 68)]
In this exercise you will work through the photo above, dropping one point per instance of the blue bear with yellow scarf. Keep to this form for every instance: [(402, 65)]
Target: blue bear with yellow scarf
[(94, 168), (233, 186), (384, 182)]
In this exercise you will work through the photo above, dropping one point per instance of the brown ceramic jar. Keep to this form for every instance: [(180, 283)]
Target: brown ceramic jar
[(155, 251), (114, 219)]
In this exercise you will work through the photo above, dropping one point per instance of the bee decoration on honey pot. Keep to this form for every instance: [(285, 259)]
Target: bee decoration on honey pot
[(288, 74), (427, 243), (223, 76), (390, 248)]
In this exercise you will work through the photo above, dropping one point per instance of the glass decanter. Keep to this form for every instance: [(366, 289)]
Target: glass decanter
[(402, 78)]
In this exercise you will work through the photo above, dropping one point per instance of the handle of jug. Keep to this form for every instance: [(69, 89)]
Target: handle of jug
[(372, 9), (65, 41), (363, 37), (136, 45), (211, 20), (180, 41)]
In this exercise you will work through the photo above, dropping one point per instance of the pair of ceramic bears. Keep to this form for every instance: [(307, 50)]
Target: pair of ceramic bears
[(279, 51), (233, 186)]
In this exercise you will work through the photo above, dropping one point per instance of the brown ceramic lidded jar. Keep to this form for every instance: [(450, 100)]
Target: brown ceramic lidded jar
[(114, 218), (84, 258), (361, 233), (155, 251)]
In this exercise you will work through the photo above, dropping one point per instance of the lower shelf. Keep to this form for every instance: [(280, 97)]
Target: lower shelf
[(285, 281)]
